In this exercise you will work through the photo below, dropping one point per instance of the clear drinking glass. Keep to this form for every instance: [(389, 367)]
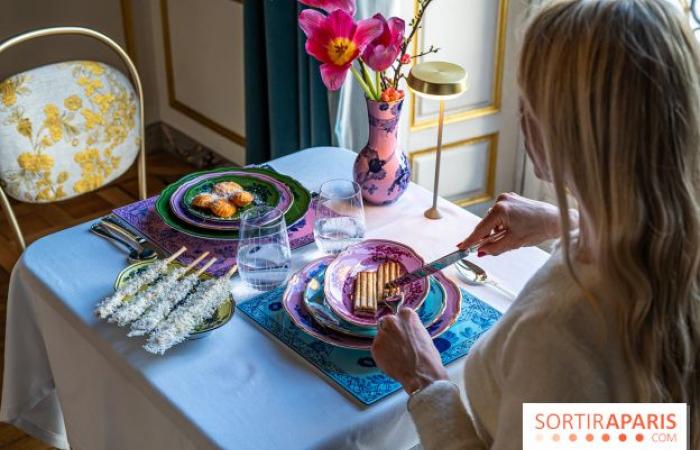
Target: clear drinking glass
[(263, 251), (340, 219)]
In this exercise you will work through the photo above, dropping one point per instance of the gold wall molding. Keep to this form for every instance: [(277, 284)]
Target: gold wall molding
[(490, 170), (176, 104), (496, 90)]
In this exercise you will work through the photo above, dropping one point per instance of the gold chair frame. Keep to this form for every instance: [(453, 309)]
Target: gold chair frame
[(80, 31)]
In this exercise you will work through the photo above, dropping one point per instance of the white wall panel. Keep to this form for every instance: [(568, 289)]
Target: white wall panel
[(206, 45), (467, 33)]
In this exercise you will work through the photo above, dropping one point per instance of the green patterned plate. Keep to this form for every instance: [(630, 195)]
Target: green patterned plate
[(302, 200), (222, 316)]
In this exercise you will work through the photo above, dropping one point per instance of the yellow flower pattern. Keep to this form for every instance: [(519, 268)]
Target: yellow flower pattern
[(91, 122), (24, 127), (10, 88), (73, 103), (35, 162), (89, 84), (92, 119)]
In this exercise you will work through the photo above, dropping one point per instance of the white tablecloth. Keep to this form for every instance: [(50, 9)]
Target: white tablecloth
[(70, 377)]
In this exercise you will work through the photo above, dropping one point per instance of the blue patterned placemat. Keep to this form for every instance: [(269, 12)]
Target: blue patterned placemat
[(355, 370)]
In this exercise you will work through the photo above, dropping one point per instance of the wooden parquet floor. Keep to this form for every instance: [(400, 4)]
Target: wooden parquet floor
[(39, 220)]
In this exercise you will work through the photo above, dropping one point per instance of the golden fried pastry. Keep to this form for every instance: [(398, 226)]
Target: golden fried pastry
[(241, 198), (226, 188), (222, 208), (203, 201), (387, 272), (365, 298)]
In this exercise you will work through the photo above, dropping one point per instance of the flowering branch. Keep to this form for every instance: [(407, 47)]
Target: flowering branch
[(415, 25)]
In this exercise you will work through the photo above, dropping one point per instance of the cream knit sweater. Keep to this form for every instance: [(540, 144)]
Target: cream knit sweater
[(551, 346)]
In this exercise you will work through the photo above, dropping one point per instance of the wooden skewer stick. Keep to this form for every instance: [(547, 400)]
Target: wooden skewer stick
[(205, 267), (172, 257), (231, 271), (196, 261)]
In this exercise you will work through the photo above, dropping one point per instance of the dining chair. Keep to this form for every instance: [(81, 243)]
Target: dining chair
[(68, 128)]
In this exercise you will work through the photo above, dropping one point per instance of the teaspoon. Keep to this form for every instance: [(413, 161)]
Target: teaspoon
[(476, 276)]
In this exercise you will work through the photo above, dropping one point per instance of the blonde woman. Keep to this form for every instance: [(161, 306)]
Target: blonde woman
[(611, 113)]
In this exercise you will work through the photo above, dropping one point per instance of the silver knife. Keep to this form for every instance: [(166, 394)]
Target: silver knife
[(441, 263), (116, 226)]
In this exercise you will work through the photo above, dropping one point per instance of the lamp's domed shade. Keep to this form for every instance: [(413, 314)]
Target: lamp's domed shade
[(437, 79)]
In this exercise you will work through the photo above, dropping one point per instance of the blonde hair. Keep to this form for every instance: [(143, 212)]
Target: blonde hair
[(613, 87)]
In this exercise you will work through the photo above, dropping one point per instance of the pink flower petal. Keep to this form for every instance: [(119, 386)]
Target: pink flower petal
[(331, 5), (367, 31), (397, 27), (317, 50), (333, 76), (380, 58), (340, 24), (311, 22)]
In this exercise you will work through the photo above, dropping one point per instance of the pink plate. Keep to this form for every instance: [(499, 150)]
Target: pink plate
[(368, 255), (293, 301)]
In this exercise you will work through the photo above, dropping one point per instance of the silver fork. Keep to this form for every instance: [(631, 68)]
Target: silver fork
[(395, 302)]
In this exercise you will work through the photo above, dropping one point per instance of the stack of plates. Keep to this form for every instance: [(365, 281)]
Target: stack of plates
[(318, 297), (268, 187)]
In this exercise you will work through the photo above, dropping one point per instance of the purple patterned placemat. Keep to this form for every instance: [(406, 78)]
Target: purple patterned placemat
[(143, 217)]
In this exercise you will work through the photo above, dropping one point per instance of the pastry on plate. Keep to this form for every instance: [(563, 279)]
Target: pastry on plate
[(241, 198), (226, 188), (222, 208), (365, 298), (203, 201), (387, 272)]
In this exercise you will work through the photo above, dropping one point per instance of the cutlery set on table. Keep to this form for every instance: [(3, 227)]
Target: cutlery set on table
[(338, 299)]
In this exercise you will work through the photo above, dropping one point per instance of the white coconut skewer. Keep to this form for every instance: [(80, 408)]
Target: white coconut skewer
[(160, 309), (108, 305), (142, 300), (199, 306)]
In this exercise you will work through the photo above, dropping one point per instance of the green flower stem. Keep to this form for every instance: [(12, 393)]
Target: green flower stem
[(368, 92), (378, 77), (368, 80)]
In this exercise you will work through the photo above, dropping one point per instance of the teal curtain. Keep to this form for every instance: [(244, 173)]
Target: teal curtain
[(286, 101)]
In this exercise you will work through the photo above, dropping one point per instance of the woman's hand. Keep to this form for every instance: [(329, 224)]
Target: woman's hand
[(404, 350), (528, 222)]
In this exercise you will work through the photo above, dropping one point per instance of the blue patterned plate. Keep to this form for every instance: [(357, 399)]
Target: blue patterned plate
[(315, 304)]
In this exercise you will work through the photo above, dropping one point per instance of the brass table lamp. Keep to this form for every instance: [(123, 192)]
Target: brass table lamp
[(437, 81)]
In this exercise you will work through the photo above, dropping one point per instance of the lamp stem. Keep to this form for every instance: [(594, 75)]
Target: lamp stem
[(434, 213)]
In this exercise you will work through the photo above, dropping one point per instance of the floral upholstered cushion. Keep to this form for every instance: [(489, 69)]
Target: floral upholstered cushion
[(66, 129)]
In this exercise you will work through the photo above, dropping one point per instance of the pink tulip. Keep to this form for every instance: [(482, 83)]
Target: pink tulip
[(331, 5), (336, 40), (381, 53)]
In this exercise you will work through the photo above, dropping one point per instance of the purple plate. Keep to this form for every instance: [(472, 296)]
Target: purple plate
[(365, 256), (293, 302), (177, 204)]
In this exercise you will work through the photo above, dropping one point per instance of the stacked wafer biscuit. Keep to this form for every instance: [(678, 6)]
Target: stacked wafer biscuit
[(370, 290)]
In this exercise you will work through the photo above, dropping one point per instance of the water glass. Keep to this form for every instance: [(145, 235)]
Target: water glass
[(339, 216), (264, 255)]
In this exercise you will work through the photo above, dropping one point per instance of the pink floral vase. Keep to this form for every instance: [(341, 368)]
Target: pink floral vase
[(381, 168)]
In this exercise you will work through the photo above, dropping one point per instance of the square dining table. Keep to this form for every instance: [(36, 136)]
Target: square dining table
[(71, 378)]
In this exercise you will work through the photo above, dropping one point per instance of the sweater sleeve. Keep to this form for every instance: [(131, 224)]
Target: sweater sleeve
[(442, 420)]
